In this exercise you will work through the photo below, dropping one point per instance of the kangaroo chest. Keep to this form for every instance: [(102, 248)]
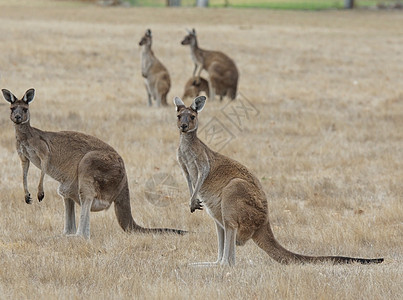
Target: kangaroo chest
[(146, 62), (194, 58), (33, 149), (189, 159), (210, 199), (29, 152), (197, 58)]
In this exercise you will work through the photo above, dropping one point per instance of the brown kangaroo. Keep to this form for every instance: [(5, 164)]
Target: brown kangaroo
[(194, 87), (90, 172), (223, 74), (233, 196), (155, 74)]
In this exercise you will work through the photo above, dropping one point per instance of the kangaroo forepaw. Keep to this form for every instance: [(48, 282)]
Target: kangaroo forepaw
[(196, 82), (41, 195), (28, 199), (196, 205)]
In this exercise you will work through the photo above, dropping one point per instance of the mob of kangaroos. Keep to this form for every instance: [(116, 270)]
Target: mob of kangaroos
[(233, 196), (223, 74), (90, 172), (155, 74)]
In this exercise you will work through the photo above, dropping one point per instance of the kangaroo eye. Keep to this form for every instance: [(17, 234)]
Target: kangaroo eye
[(25, 110), (179, 116), (192, 117), (12, 108)]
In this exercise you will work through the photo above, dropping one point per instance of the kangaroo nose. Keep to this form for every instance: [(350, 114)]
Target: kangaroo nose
[(18, 117), (184, 126)]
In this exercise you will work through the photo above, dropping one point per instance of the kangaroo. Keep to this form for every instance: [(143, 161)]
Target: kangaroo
[(232, 195), (223, 74), (90, 172), (194, 87), (155, 74)]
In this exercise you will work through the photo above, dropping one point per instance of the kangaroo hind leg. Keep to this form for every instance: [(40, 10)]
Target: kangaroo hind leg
[(242, 214), (99, 175), (69, 217), (228, 258), (91, 169), (87, 194), (220, 240)]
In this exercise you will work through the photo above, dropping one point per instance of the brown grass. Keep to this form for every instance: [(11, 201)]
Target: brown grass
[(327, 145)]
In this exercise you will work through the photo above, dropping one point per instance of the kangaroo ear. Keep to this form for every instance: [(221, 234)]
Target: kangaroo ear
[(29, 96), (198, 103), (148, 32), (178, 103), (193, 31), (9, 96)]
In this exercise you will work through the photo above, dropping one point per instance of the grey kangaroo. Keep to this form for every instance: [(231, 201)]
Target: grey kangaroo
[(222, 71), (156, 76), (232, 196), (194, 87), (90, 172)]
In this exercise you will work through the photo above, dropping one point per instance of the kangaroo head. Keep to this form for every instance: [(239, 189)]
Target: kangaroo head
[(187, 116), (146, 39), (19, 108), (190, 38)]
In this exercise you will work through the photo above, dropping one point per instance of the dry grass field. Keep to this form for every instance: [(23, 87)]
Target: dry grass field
[(326, 139)]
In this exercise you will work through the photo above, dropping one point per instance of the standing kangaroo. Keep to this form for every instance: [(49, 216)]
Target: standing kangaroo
[(155, 74), (90, 172), (223, 74), (194, 87), (232, 195)]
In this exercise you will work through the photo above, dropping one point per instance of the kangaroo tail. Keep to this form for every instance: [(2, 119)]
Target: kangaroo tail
[(125, 218), (264, 238)]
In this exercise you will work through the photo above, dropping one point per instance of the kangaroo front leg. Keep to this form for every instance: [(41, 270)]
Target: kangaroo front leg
[(25, 167), (203, 169), (198, 74), (41, 193), (194, 70), (43, 154), (203, 172), (69, 217), (187, 176)]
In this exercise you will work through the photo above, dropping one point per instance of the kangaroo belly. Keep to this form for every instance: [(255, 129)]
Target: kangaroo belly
[(69, 190), (213, 207)]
